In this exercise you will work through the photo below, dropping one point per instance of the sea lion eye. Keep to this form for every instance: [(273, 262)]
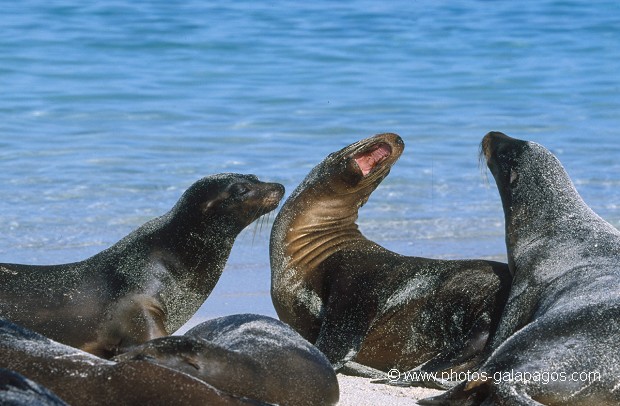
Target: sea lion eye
[(143, 357), (241, 189)]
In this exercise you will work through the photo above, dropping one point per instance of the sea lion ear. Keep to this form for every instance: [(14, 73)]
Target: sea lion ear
[(206, 206), (214, 202), (514, 175), (191, 361)]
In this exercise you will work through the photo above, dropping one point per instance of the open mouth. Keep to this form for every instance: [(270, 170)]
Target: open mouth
[(371, 158)]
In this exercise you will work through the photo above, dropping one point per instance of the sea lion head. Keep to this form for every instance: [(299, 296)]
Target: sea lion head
[(502, 155), (527, 174), (537, 194), (186, 354), (356, 170), (233, 372), (229, 199)]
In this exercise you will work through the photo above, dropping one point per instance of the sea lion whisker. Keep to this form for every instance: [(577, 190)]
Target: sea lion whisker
[(259, 225), (254, 231), (262, 221), (265, 221), (258, 221), (482, 163)]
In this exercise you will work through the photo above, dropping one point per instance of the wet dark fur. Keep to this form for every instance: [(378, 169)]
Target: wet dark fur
[(563, 312), (17, 390), (149, 283), (358, 301), (248, 355), (80, 378)]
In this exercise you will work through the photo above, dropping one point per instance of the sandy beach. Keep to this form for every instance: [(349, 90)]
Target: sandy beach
[(355, 391)]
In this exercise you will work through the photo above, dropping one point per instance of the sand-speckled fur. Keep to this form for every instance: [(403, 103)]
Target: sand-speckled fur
[(248, 355), (358, 301), (562, 318), (82, 379), (149, 283)]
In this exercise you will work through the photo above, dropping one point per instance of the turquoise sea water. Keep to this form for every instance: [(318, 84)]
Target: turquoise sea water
[(109, 111)]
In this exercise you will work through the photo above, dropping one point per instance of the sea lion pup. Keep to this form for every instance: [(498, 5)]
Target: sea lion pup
[(149, 283), (557, 341), (248, 355), (80, 378), (358, 301), (17, 390)]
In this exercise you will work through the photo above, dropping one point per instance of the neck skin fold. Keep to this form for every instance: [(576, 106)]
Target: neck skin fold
[(325, 226)]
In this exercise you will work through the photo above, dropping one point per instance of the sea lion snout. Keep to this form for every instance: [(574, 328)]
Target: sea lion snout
[(491, 142), (504, 156), (251, 193), (273, 195), (395, 141)]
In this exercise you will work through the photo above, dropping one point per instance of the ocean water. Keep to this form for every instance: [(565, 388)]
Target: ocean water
[(109, 110)]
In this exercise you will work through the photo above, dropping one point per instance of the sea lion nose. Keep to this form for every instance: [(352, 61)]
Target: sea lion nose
[(396, 142), (399, 141), (490, 142), (394, 138), (278, 189)]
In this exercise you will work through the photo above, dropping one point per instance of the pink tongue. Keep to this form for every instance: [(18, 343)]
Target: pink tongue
[(368, 160)]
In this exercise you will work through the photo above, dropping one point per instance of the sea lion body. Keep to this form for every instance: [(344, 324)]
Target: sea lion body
[(358, 301), (149, 283), (558, 335), (17, 390), (80, 378), (248, 355)]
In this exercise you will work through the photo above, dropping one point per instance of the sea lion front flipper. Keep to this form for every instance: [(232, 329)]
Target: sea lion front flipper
[(353, 368), (138, 318), (343, 329), (143, 319), (448, 368), (464, 354)]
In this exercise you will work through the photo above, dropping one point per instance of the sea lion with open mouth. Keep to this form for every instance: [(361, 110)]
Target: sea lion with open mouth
[(149, 283), (358, 301), (557, 341)]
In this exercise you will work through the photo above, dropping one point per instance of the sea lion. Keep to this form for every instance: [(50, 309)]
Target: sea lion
[(149, 283), (358, 301), (557, 341), (248, 355), (80, 378), (17, 390)]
